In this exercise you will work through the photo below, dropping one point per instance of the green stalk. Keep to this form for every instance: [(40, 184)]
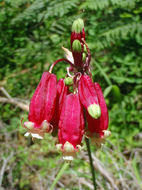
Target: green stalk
[(64, 167), (90, 156), (91, 163)]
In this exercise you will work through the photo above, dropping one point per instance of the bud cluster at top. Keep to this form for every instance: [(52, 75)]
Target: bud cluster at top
[(71, 107)]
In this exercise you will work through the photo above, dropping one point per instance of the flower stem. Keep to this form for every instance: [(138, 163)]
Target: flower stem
[(89, 155), (91, 163), (64, 167), (57, 61)]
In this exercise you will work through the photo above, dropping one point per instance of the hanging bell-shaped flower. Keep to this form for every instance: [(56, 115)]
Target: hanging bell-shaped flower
[(62, 91), (98, 127), (71, 127), (42, 107), (88, 96)]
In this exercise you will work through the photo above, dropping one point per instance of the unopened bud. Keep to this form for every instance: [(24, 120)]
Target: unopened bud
[(78, 26), (84, 57), (76, 46), (94, 111), (68, 81), (85, 50)]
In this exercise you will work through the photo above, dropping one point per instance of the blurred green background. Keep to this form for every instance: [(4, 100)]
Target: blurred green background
[(32, 33)]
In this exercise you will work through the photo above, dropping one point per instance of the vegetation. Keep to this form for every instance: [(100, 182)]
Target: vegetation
[(32, 34)]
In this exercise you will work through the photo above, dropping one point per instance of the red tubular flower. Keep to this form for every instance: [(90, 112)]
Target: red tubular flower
[(71, 127), (62, 91), (88, 96), (98, 127), (42, 106)]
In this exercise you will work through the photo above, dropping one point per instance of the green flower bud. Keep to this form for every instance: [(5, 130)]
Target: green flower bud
[(85, 50), (68, 81), (78, 25), (94, 111), (76, 46), (84, 56)]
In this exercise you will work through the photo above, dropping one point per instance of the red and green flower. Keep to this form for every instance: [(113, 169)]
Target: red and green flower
[(68, 104)]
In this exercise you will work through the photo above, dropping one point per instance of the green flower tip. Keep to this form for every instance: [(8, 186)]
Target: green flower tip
[(68, 81), (76, 46), (94, 111), (78, 25), (84, 56)]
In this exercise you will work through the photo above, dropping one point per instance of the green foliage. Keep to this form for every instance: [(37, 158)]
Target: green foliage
[(101, 4), (32, 34), (121, 21)]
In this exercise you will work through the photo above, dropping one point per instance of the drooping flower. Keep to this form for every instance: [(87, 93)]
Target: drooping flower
[(42, 107), (88, 96), (71, 127), (98, 127), (62, 91), (63, 105)]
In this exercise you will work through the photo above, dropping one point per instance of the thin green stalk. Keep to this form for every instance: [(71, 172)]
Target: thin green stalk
[(90, 156), (91, 163), (64, 167)]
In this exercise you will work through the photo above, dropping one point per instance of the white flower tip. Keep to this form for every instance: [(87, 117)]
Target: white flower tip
[(106, 133), (27, 134), (68, 158), (34, 135), (37, 136)]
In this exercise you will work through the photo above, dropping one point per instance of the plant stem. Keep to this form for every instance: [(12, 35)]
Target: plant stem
[(91, 163), (57, 61), (64, 167), (90, 156)]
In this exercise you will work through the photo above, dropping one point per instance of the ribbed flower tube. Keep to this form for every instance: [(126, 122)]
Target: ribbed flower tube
[(62, 91), (88, 96), (98, 127), (42, 106), (71, 127)]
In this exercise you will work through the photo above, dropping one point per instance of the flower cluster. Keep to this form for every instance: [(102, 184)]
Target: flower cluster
[(73, 106)]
